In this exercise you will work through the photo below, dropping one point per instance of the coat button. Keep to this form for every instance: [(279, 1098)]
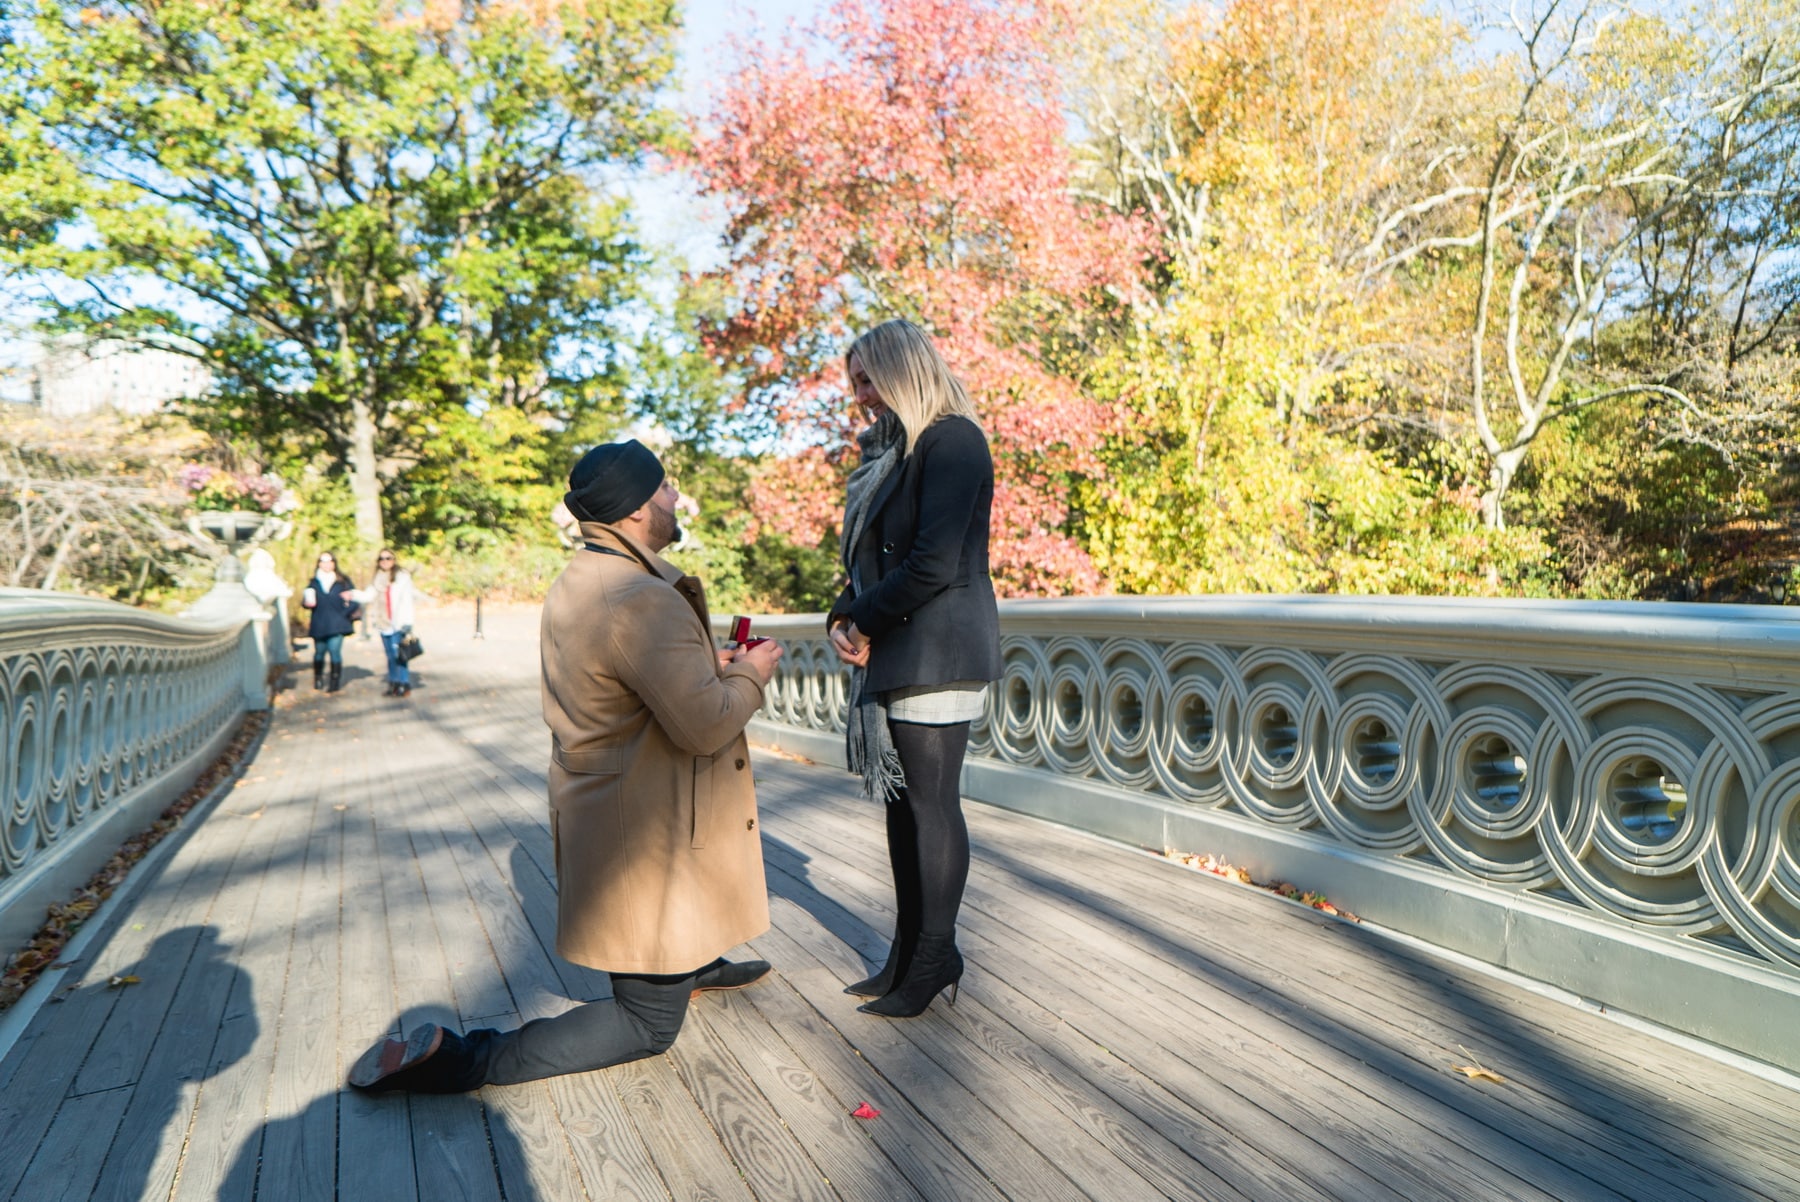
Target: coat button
[(887, 548), (750, 824), (740, 765)]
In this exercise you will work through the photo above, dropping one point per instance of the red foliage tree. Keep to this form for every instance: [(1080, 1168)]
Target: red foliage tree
[(914, 164)]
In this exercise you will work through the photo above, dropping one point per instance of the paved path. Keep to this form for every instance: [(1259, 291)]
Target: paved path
[(1128, 1029)]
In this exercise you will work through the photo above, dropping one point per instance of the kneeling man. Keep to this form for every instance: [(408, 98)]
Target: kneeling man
[(658, 859)]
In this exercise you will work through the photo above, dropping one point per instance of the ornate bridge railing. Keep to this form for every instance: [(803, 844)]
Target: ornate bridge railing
[(1604, 797), (107, 713)]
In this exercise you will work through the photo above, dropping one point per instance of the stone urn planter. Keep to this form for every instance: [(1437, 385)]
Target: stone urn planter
[(233, 529)]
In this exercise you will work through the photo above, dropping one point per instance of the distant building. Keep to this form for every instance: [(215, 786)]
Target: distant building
[(69, 378)]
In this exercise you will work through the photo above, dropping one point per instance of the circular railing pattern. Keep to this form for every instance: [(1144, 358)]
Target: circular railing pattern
[(1670, 804), (81, 727)]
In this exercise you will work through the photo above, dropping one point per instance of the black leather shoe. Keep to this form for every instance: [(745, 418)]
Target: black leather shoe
[(723, 974), (430, 1060), (318, 678), (392, 1063)]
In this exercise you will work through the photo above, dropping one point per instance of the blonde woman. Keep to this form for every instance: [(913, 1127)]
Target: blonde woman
[(390, 609), (918, 625)]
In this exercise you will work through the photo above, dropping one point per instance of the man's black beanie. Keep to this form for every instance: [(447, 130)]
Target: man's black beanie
[(612, 481)]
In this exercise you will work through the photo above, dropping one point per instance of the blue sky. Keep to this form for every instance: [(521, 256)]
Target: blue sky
[(667, 210)]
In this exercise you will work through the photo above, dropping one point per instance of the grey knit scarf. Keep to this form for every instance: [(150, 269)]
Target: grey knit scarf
[(868, 747)]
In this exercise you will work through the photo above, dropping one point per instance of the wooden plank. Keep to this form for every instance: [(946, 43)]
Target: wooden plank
[(924, 1156), (610, 1156), (528, 1145), (1582, 1132), (1377, 1145), (449, 1135), (1249, 1155), (299, 1144), (774, 1164), (943, 1049), (373, 1131), (64, 1166), (683, 1146), (531, 1149), (902, 1072), (476, 978), (193, 1040), (232, 1109), (450, 1148), (297, 1156), (840, 1147), (1592, 1046), (162, 933)]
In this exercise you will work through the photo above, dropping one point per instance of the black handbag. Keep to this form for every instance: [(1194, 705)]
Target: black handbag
[(410, 648)]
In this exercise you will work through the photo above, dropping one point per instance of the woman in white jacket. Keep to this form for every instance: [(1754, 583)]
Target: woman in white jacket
[(390, 608)]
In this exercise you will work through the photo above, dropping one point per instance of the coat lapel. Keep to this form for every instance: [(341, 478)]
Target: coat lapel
[(881, 497)]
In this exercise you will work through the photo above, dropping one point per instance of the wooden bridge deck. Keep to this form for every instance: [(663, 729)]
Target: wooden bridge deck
[(1127, 1029)]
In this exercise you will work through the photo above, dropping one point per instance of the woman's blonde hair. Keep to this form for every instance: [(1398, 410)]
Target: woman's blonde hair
[(910, 376)]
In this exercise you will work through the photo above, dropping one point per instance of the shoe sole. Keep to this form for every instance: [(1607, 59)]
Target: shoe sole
[(391, 1056)]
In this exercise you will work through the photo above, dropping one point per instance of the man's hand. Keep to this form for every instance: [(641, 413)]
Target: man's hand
[(763, 657), (851, 644)]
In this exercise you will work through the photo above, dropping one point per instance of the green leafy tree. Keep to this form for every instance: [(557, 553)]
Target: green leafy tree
[(381, 225)]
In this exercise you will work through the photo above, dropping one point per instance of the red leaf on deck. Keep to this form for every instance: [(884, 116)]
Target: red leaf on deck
[(864, 1111)]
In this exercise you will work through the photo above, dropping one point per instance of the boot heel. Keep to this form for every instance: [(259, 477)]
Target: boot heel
[(953, 987)]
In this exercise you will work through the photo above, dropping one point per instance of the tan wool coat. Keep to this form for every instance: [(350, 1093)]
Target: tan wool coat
[(658, 856)]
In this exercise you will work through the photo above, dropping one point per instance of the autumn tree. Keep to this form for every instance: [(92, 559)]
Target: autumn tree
[(1616, 131), (908, 158), (375, 221), (1257, 384)]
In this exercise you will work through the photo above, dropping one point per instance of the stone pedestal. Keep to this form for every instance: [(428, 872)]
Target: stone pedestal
[(229, 601)]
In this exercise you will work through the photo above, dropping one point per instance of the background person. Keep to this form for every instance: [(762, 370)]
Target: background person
[(918, 624), (334, 613), (390, 611), (652, 808)]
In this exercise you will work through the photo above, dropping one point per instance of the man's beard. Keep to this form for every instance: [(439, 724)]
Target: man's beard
[(663, 526)]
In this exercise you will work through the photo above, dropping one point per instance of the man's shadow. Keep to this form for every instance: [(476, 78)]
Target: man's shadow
[(434, 1141)]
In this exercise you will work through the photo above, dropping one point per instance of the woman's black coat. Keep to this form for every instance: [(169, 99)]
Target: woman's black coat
[(928, 605), (335, 612)]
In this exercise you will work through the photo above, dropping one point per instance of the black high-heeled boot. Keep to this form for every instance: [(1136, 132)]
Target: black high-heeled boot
[(337, 677), (900, 954), (936, 966), (318, 676)]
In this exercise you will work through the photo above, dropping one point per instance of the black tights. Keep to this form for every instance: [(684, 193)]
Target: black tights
[(928, 841)]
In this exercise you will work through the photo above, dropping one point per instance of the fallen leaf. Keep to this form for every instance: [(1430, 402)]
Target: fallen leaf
[(116, 982), (1476, 1073), (1474, 1070), (865, 1111)]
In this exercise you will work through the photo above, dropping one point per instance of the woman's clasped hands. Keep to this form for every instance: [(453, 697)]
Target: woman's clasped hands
[(851, 644)]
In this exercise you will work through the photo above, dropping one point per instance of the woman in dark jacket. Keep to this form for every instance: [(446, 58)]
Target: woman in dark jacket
[(919, 626), (334, 615)]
